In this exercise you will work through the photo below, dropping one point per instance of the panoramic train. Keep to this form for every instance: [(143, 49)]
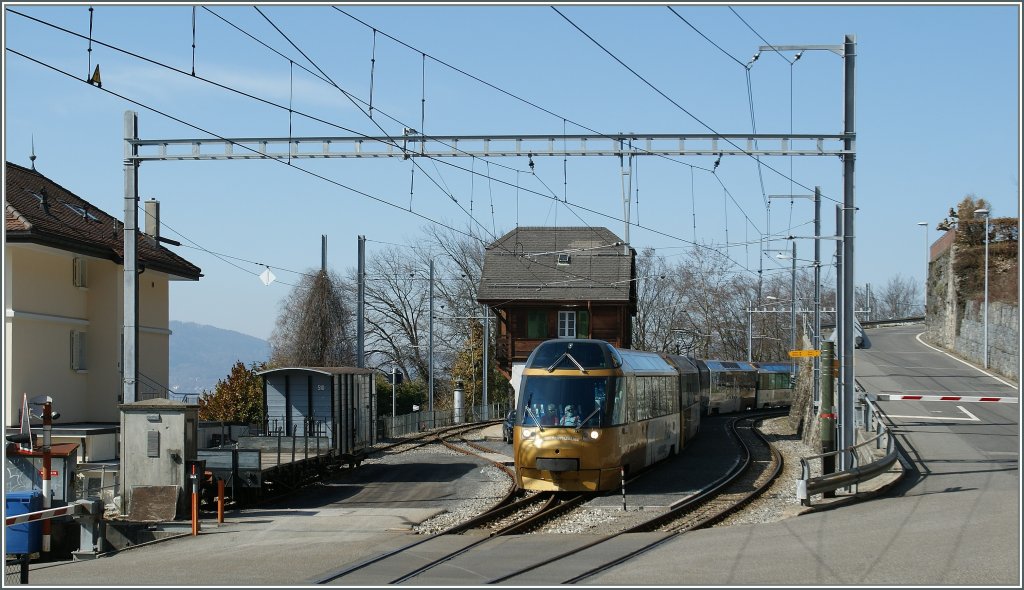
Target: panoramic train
[(586, 409)]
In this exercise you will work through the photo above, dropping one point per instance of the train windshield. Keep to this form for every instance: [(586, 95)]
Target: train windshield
[(566, 401)]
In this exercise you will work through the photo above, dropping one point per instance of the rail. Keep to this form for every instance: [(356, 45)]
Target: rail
[(808, 486)]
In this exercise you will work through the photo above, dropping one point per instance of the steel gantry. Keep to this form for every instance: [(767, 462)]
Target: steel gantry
[(412, 144)]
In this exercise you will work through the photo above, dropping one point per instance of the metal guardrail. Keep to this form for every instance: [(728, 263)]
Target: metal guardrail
[(808, 486)]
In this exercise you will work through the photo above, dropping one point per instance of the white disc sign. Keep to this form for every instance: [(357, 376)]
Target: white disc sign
[(267, 277)]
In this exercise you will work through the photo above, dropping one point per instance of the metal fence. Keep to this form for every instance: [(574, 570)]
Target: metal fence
[(389, 427), (16, 569)]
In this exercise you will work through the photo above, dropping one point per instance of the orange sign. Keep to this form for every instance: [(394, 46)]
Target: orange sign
[(800, 353), (53, 473)]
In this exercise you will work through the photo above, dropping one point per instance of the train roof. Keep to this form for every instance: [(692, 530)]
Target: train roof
[(684, 364), (729, 366), (640, 361), (595, 354), (779, 367)]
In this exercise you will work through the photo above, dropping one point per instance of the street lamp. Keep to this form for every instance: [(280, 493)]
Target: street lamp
[(927, 261), (986, 214)]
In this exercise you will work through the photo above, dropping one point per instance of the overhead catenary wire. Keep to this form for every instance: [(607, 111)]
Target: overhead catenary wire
[(310, 172), (351, 98), (535, 105), (490, 177), (670, 99)]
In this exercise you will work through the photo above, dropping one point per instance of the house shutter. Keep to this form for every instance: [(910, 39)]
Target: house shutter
[(80, 272), (78, 349), (537, 326), (583, 324)]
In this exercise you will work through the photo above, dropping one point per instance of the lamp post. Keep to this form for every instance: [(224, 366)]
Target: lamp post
[(927, 261), (985, 346)]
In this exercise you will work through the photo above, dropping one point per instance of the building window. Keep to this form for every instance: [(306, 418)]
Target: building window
[(80, 273), (537, 325), (78, 350), (567, 324)]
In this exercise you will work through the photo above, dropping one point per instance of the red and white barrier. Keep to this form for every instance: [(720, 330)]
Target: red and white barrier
[(946, 398), (46, 514)]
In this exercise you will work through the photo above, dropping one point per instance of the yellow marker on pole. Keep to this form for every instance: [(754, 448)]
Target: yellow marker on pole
[(802, 353)]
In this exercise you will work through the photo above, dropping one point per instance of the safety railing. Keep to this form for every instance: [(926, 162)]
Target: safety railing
[(389, 427), (808, 486)]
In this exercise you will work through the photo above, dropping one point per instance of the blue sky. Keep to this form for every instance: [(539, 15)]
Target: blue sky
[(937, 118)]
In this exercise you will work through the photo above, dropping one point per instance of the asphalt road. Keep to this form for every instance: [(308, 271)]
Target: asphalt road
[(953, 520)]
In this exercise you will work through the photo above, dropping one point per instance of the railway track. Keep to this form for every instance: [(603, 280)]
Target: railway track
[(512, 518), (760, 466)]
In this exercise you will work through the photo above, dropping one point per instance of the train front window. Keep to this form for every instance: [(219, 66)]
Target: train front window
[(565, 401)]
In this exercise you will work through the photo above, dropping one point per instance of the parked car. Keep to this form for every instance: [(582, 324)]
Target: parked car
[(506, 426)]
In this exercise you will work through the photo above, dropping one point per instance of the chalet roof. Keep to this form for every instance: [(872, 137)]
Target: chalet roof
[(40, 211), (557, 264)]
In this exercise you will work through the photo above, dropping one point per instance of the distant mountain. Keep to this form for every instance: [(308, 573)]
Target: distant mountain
[(201, 355)]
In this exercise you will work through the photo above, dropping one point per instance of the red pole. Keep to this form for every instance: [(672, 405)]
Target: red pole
[(220, 500), (195, 502), (47, 423)]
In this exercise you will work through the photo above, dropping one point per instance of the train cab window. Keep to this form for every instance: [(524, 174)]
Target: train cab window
[(546, 397)]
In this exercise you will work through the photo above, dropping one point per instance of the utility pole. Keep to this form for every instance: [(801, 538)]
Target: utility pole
[(430, 346), (827, 413), (750, 332), (849, 207), (817, 293), (361, 305), (130, 333), (487, 350)]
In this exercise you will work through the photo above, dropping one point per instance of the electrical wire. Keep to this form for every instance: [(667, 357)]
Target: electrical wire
[(490, 177)]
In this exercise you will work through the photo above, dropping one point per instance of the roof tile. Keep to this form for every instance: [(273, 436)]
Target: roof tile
[(40, 211)]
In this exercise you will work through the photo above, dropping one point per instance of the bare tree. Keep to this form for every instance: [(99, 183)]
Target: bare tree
[(900, 297), (314, 326), (659, 314), (397, 305)]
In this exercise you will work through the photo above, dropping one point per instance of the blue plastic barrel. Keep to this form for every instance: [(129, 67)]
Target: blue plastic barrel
[(26, 537)]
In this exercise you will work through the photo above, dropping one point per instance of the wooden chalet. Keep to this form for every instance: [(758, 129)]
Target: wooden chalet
[(558, 282)]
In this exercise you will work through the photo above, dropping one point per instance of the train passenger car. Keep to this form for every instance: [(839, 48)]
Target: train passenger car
[(774, 384), (692, 395), (587, 410), (732, 386)]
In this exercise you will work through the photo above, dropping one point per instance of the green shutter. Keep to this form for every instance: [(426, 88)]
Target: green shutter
[(582, 324), (537, 326)]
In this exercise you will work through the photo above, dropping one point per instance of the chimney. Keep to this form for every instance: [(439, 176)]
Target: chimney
[(153, 219)]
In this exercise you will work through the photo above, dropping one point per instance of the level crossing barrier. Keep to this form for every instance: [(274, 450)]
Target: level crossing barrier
[(88, 513)]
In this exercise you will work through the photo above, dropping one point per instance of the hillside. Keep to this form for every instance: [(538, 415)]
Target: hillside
[(200, 355)]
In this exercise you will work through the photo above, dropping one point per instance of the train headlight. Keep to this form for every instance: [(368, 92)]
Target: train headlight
[(526, 433), (594, 434)]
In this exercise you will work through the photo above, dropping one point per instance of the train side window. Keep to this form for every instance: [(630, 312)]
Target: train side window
[(619, 402)]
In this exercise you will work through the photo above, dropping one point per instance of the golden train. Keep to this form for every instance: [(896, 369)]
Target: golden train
[(586, 410)]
